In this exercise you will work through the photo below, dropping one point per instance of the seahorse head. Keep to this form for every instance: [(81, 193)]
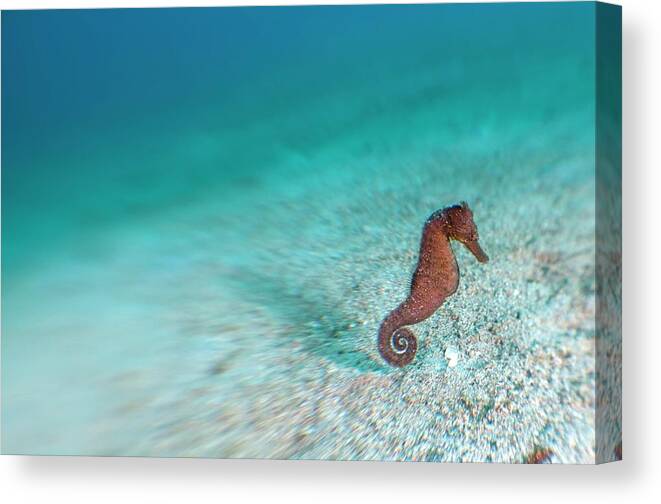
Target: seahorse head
[(460, 226)]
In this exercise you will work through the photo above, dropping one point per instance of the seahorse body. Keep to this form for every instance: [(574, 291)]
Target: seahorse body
[(436, 278)]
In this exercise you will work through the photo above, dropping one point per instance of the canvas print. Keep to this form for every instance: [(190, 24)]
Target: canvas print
[(370, 232)]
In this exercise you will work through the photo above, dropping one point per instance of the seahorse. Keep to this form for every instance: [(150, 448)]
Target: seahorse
[(436, 278)]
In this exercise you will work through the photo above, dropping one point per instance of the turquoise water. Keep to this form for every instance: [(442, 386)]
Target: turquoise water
[(207, 212)]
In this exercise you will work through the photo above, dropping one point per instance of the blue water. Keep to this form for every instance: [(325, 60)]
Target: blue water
[(184, 184)]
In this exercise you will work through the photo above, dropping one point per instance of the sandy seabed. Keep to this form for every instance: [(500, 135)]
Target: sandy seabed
[(227, 332)]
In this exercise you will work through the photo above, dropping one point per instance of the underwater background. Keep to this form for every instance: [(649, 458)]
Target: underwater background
[(206, 214)]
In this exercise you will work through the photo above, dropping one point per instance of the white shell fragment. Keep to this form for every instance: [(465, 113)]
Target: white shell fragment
[(452, 356)]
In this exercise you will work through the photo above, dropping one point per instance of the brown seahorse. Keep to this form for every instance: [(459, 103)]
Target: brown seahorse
[(435, 279)]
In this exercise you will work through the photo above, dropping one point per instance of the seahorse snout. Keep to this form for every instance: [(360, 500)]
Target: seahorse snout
[(476, 250)]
